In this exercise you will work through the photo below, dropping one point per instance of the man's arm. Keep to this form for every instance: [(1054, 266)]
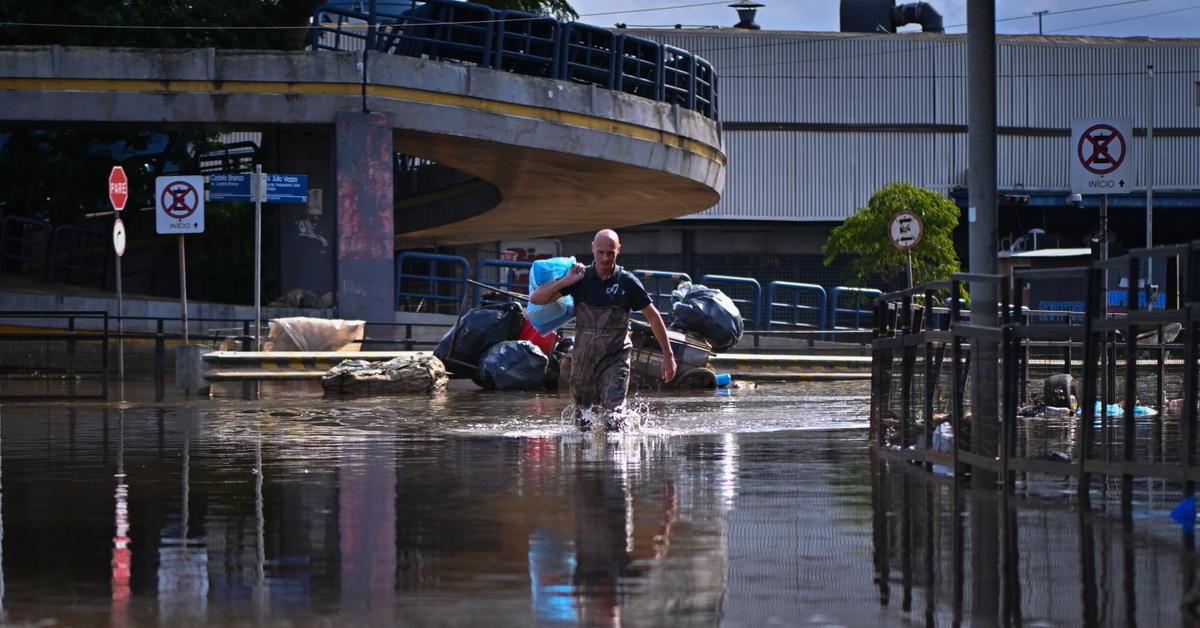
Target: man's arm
[(660, 334), (549, 292)]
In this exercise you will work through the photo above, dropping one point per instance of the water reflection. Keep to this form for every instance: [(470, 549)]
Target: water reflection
[(764, 507), (1019, 564)]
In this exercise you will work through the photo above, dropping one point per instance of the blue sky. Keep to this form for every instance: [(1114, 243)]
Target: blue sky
[(1154, 18)]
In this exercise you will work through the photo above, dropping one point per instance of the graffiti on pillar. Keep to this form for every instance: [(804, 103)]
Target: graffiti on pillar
[(309, 226)]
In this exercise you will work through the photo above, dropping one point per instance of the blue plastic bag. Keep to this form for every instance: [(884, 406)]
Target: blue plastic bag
[(547, 318)]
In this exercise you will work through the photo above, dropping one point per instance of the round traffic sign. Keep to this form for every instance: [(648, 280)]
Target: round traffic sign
[(118, 188), (905, 230), (1101, 149), (179, 199), (119, 237)]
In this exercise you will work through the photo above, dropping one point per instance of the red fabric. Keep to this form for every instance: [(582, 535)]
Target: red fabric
[(545, 343)]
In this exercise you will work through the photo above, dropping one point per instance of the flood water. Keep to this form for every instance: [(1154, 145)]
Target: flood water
[(754, 508)]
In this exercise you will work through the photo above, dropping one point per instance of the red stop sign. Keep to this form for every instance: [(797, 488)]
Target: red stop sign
[(118, 188)]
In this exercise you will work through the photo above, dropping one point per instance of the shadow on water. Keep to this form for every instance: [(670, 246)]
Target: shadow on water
[(754, 508)]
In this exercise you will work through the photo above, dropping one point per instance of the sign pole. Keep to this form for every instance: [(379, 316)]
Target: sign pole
[(118, 195), (1104, 244), (120, 324), (259, 191), (1149, 177), (910, 283), (183, 286)]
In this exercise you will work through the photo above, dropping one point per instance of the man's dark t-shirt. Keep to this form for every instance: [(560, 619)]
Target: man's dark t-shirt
[(622, 288)]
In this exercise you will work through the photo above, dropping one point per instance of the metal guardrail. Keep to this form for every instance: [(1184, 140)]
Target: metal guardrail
[(660, 284), (69, 328), (511, 275), (861, 309), (69, 369), (796, 310), (457, 282), (80, 256), (524, 43), (809, 307), (21, 250), (1122, 378), (752, 304)]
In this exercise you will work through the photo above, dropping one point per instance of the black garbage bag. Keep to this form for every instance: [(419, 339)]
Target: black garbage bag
[(513, 365), (481, 329), (709, 313)]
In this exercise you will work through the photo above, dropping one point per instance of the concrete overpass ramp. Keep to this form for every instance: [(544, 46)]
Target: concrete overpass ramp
[(565, 157)]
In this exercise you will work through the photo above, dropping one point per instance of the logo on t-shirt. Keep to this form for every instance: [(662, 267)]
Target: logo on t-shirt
[(613, 290)]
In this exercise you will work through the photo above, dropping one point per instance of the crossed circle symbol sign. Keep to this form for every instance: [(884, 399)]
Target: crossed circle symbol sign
[(1100, 140), (179, 199)]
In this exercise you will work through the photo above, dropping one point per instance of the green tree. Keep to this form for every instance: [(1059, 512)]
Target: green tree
[(864, 237)]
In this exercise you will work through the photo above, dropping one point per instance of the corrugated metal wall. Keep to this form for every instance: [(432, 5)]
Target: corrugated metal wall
[(803, 94)]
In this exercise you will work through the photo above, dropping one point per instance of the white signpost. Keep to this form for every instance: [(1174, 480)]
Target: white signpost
[(1101, 154), (179, 209), (1101, 160), (118, 195), (906, 230)]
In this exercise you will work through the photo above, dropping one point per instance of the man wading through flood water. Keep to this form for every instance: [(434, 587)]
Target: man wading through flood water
[(604, 294)]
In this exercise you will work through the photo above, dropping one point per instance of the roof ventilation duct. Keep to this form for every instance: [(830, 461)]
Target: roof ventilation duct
[(746, 9), (883, 16)]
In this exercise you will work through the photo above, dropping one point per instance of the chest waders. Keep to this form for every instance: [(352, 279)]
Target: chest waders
[(600, 359)]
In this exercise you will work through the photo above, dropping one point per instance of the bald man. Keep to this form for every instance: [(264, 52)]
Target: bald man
[(604, 296)]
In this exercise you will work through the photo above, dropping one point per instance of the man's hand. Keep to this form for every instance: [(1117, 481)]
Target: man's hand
[(574, 274), (668, 368), (552, 290)]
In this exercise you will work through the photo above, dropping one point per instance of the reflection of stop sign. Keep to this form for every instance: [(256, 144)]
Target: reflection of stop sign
[(118, 188)]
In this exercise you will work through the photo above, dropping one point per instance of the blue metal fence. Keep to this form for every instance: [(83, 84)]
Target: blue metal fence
[(805, 308), (859, 313), (520, 42), (659, 284), (749, 307), (506, 274), (439, 286), (443, 278)]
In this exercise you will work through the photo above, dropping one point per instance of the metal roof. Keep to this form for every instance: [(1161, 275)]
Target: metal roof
[(815, 122)]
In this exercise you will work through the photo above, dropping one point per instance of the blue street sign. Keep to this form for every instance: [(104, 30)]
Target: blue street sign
[(229, 187), (287, 188), (281, 188)]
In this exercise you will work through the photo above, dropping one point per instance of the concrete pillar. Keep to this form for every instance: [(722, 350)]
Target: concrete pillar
[(365, 216)]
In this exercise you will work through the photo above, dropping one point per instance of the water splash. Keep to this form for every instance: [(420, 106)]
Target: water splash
[(630, 417)]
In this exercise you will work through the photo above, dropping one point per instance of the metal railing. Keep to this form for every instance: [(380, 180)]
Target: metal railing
[(53, 354), (859, 311), (810, 314), (750, 307), (25, 246), (439, 288), (1125, 398), (510, 275), (524, 43), (81, 256), (659, 285), (45, 331)]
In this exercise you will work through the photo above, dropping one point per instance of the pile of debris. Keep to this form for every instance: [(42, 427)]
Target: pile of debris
[(402, 375)]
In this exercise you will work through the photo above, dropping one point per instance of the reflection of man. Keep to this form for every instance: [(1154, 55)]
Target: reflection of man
[(604, 294), (606, 551)]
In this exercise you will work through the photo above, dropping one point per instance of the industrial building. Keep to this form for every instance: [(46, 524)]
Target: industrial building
[(814, 122)]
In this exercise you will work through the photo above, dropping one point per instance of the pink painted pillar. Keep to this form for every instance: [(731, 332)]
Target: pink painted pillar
[(365, 216)]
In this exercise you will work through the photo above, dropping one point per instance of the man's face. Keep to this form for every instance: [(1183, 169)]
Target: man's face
[(605, 252)]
